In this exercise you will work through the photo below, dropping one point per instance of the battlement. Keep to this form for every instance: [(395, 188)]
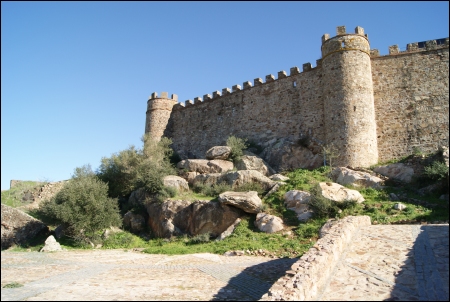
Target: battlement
[(414, 47), (270, 78), (164, 95)]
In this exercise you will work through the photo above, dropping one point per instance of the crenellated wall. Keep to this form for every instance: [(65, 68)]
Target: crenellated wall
[(372, 107)]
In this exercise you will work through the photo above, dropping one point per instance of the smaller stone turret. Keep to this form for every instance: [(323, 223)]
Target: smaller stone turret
[(158, 114)]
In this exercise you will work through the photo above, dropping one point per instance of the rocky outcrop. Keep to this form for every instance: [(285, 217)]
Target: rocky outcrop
[(19, 227), (268, 223), (338, 193), (51, 245), (345, 176), (176, 217), (236, 178), (228, 231), (278, 177), (218, 152), (247, 201), (176, 182), (399, 172), (298, 201), (205, 166)]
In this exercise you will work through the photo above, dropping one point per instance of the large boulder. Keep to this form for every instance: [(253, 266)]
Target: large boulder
[(218, 152), (268, 223), (177, 217), (189, 176), (253, 162), (278, 177), (211, 178), (284, 154), (228, 231), (205, 166), (51, 245), (247, 201), (176, 182), (398, 171), (338, 193), (298, 201), (19, 227), (345, 176), (133, 221), (239, 178)]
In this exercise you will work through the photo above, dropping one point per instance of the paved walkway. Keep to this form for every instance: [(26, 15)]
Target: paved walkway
[(391, 262)]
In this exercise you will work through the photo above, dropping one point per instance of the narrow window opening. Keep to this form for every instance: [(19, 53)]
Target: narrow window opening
[(343, 44), (294, 84), (354, 108)]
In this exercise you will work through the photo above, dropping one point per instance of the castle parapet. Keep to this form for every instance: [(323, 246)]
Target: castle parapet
[(158, 113)]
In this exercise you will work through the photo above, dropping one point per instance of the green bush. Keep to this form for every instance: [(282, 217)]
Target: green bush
[(237, 145), (321, 206), (213, 190), (83, 207), (436, 171), (133, 168), (165, 193)]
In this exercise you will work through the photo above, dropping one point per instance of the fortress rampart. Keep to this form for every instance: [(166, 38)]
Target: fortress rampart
[(371, 108)]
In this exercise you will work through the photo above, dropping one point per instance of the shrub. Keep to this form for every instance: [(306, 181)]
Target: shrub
[(212, 190), (83, 207), (133, 168), (166, 192), (436, 171), (322, 207), (201, 238), (237, 146)]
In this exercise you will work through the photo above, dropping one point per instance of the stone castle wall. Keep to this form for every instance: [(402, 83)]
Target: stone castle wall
[(373, 108)]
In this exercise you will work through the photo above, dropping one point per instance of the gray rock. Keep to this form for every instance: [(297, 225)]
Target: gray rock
[(399, 206), (249, 162), (176, 182), (393, 197), (134, 222), (51, 245), (228, 231), (268, 223), (278, 177), (345, 176), (247, 201), (338, 193), (18, 227), (205, 166), (397, 171), (218, 152), (298, 201)]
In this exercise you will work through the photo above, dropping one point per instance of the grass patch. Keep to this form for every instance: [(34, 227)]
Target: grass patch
[(12, 285), (14, 196)]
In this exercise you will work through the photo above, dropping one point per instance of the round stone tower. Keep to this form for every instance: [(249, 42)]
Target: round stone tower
[(349, 111), (158, 114)]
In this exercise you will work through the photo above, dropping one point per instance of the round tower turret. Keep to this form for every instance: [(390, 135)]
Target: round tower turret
[(349, 111), (158, 114)]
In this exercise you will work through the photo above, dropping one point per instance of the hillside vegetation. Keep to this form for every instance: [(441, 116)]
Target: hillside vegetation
[(89, 211)]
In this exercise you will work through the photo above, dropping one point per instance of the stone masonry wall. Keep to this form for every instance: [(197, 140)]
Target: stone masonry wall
[(409, 92), (411, 102), (288, 107)]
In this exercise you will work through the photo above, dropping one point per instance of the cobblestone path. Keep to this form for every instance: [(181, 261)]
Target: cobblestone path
[(393, 262), (383, 262)]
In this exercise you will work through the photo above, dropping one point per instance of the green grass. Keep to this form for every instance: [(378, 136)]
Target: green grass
[(13, 197), (12, 285)]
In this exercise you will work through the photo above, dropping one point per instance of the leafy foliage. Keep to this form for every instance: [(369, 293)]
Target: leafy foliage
[(237, 145), (134, 168), (83, 206)]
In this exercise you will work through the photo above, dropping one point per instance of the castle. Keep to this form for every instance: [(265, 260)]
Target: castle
[(371, 108)]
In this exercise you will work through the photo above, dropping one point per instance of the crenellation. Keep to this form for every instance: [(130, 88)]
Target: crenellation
[(307, 67), (393, 49), (374, 53), (282, 74), (216, 94), (206, 97), (359, 30), (372, 107), (340, 30), (247, 85), (270, 78), (294, 70)]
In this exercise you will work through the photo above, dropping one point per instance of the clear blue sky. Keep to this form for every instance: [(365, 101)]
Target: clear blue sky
[(76, 76)]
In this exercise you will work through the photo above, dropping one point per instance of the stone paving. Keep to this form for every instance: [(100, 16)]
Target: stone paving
[(383, 262)]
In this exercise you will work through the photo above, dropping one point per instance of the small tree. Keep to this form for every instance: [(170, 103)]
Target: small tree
[(83, 207), (330, 152), (237, 145)]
